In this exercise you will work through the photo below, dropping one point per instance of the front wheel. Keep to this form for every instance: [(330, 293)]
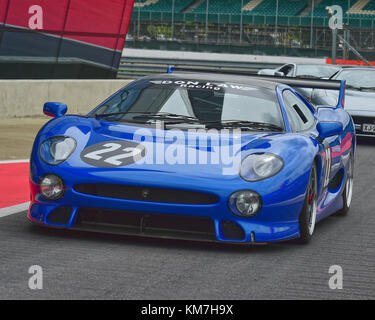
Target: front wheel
[(348, 190), (307, 218)]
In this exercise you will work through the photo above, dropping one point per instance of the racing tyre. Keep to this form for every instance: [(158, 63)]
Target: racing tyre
[(348, 190), (307, 218)]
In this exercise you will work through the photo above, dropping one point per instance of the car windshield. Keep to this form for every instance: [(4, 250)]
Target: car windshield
[(195, 102), (360, 79), (315, 71)]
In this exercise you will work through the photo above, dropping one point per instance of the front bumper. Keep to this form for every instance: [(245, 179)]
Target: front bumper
[(277, 220), (200, 228), (359, 120)]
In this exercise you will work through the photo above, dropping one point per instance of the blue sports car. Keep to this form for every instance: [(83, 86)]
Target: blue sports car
[(196, 155)]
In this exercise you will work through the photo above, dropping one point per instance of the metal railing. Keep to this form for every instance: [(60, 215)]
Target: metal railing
[(134, 67), (356, 21)]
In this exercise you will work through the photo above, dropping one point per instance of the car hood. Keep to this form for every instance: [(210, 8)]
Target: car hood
[(356, 102), (89, 132), (360, 101)]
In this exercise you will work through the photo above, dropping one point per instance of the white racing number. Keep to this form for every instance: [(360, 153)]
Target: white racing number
[(113, 154), (128, 152), (96, 155)]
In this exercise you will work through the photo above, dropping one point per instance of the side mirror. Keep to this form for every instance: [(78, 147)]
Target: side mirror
[(279, 74), (55, 109), (271, 72), (329, 129), (268, 72)]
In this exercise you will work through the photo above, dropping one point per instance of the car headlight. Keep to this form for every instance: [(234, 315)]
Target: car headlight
[(259, 166), (245, 203), (52, 187), (57, 149)]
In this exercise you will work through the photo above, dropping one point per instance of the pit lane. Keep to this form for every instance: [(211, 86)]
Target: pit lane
[(79, 265)]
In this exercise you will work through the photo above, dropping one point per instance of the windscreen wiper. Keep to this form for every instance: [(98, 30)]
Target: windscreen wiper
[(348, 86), (149, 115), (104, 115), (253, 125), (367, 88), (359, 88), (308, 76), (167, 117)]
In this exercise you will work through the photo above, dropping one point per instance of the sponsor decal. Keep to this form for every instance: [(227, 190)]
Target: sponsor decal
[(191, 84)]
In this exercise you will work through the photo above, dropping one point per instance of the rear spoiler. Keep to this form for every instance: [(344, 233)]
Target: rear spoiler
[(293, 82)]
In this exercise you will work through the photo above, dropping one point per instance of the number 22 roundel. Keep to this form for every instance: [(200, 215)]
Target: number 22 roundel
[(111, 154)]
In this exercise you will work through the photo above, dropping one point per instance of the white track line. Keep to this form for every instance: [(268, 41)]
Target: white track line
[(14, 209), (14, 161)]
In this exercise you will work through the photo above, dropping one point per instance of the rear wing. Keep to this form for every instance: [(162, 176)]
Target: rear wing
[(293, 82)]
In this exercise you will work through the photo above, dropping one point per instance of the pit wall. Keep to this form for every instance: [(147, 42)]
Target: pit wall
[(25, 98)]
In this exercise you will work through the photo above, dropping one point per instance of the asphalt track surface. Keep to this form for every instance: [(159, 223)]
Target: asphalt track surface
[(89, 266)]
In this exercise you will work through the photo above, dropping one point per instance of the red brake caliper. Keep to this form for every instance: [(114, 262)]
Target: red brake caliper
[(310, 198)]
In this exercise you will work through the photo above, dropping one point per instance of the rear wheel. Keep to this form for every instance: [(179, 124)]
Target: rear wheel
[(348, 190), (307, 218)]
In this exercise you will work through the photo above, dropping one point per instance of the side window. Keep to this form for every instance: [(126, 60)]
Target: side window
[(290, 71), (300, 116), (115, 104), (287, 70)]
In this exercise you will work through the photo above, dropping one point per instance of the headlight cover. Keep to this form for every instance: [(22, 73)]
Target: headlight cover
[(52, 187), (57, 149), (245, 203), (260, 166)]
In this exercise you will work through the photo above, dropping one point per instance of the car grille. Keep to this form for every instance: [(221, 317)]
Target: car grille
[(145, 224), (151, 194)]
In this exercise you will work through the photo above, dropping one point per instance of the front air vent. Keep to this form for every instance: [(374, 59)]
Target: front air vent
[(60, 215), (150, 194), (231, 230), (336, 181), (146, 224)]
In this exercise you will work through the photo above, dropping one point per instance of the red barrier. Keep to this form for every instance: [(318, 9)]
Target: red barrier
[(14, 184), (89, 30), (349, 62), (72, 17)]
